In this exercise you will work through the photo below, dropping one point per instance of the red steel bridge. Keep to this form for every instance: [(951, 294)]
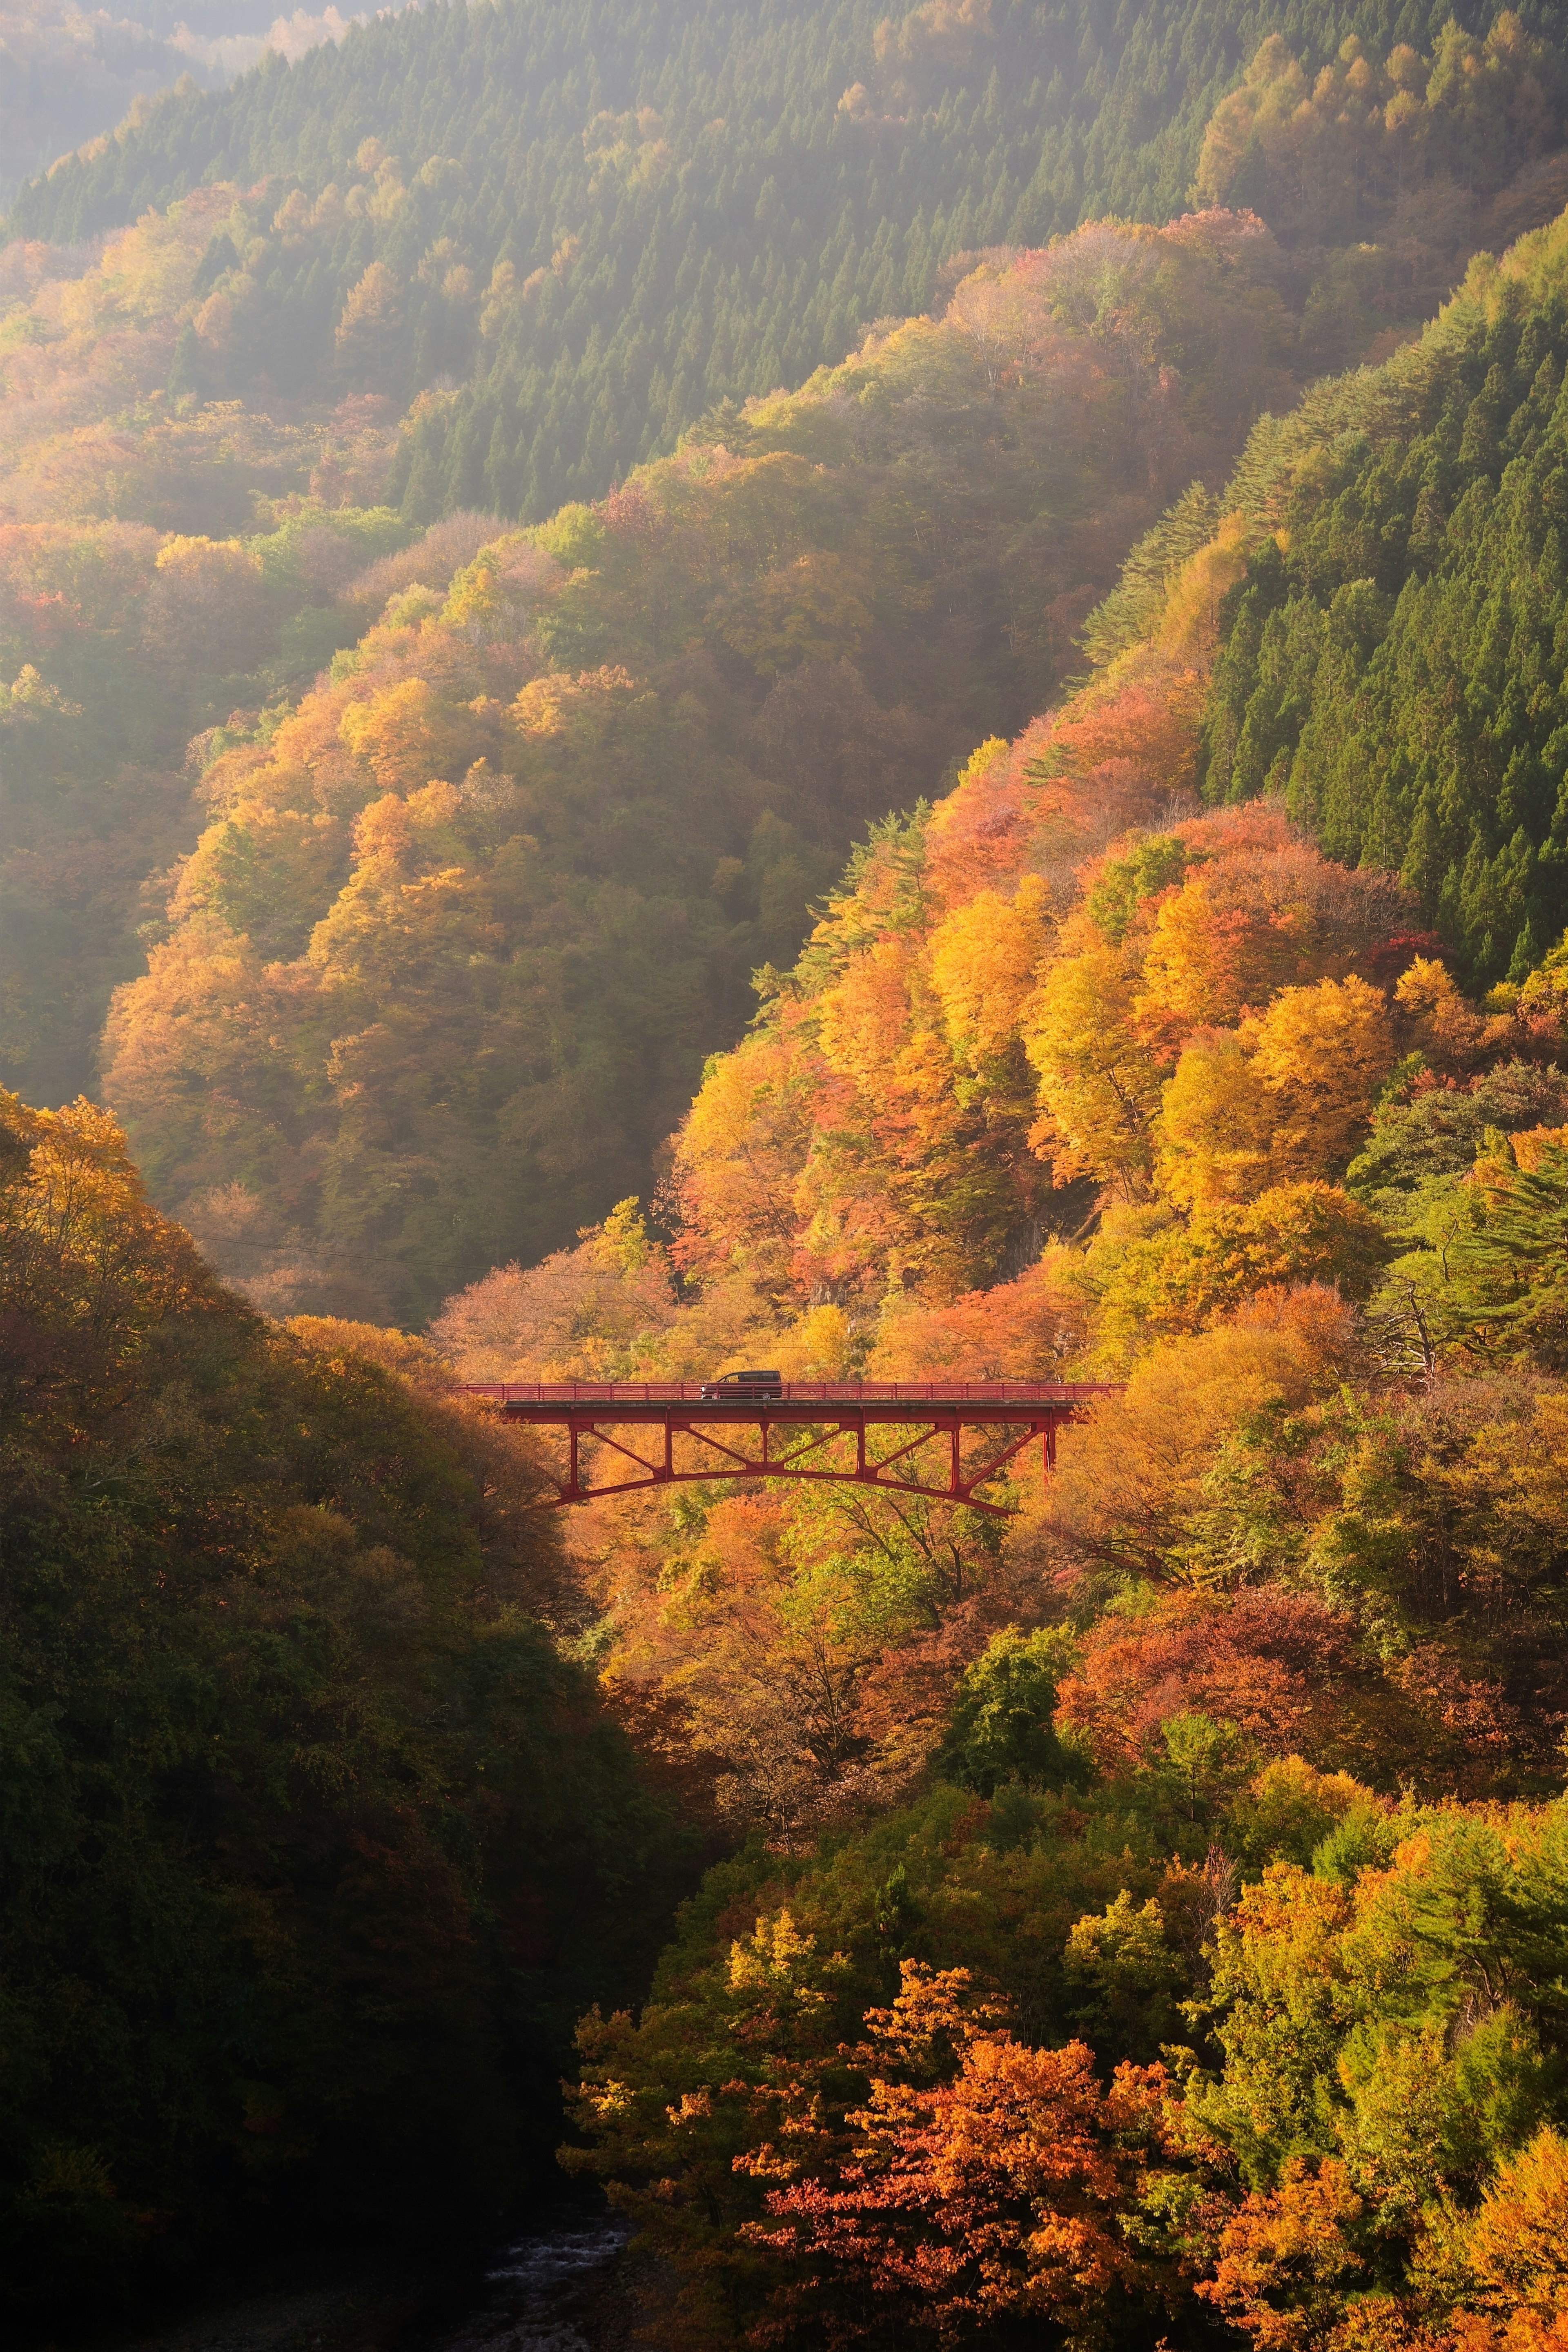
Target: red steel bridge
[(855, 1433)]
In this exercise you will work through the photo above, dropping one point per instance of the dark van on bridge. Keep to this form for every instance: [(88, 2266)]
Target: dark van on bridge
[(744, 1388)]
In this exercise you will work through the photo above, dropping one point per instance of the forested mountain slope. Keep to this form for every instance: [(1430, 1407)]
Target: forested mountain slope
[(441, 972), (316, 1840), (1375, 636), (162, 566), (1077, 1076), (1159, 1057), (184, 504), (1392, 661), (1153, 1915), (601, 220)]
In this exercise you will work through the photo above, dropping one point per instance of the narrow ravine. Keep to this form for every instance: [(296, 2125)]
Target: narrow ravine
[(560, 2287), (563, 2284)]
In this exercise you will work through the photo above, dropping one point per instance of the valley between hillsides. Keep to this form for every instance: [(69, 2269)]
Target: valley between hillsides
[(719, 683)]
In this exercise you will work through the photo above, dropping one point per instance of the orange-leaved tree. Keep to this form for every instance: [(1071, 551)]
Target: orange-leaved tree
[(983, 2180)]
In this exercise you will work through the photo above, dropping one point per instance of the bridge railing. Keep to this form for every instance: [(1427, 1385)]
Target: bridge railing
[(797, 1391)]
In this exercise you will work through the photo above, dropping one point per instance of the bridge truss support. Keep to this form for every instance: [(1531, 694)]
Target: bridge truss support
[(860, 1445)]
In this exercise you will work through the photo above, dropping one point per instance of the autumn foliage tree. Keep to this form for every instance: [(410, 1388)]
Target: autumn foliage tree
[(990, 2193)]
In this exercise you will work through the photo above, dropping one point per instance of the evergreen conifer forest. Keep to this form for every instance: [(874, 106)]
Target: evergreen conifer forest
[(694, 687)]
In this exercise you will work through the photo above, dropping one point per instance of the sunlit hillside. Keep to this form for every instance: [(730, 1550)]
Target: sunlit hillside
[(654, 728), (688, 689)]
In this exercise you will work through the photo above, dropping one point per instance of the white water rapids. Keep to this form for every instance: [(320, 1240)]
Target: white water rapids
[(541, 2298)]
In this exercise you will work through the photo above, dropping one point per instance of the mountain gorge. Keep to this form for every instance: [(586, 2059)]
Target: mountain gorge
[(656, 726), (734, 686)]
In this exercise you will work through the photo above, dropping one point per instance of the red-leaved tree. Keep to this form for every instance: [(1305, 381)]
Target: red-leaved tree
[(988, 2193)]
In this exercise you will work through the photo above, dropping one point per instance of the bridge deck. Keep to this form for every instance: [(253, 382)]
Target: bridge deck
[(546, 1398), (935, 1411)]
